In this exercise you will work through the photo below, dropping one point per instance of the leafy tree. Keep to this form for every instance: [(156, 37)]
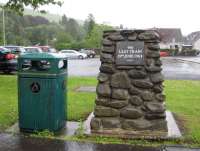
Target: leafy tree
[(68, 33), (18, 5), (89, 24), (94, 39), (29, 20), (63, 40), (43, 34), (64, 20), (14, 28), (72, 27)]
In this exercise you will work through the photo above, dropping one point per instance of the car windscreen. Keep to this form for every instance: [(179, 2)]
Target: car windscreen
[(68, 51), (2, 49), (32, 50), (22, 50), (16, 49)]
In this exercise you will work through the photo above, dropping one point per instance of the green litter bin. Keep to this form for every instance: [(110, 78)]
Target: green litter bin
[(42, 91)]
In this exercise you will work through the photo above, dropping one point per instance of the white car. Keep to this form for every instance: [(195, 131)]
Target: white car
[(73, 54)]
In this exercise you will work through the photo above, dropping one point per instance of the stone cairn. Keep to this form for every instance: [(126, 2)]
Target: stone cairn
[(129, 98)]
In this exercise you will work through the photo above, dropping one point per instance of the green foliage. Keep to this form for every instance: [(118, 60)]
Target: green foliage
[(89, 24), (62, 46), (94, 32), (94, 39), (44, 133), (72, 27), (18, 5), (63, 40), (80, 130), (67, 34)]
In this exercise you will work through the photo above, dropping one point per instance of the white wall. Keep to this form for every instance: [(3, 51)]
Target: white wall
[(164, 46), (167, 45)]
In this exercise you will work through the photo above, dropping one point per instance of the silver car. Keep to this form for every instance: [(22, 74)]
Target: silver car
[(73, 54)]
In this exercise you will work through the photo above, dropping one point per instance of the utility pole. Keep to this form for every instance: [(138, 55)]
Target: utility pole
[(4, 32)]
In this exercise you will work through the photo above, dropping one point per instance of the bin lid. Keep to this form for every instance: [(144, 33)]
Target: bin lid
[(42, 56)]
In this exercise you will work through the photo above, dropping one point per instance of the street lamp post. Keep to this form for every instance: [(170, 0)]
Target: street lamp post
[(4, 32)]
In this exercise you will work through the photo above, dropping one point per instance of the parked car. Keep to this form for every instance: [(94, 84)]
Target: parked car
[(47, 49), (17, 50), (8, 61), (90, 53), (33, 50), (164, 54), (73, 54)]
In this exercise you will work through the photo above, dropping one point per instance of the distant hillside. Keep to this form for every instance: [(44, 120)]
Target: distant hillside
[(47, 15), (51, 17)]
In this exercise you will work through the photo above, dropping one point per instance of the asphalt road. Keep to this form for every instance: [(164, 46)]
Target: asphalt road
[(173, 68)]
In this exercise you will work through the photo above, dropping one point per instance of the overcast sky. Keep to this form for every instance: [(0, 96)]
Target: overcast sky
[(184, 14)]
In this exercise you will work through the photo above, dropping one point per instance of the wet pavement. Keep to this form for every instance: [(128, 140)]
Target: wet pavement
[(190, 59), (20, 143), (180, 148), (86, 67), (177, 68), (9, 142), (173, 68)]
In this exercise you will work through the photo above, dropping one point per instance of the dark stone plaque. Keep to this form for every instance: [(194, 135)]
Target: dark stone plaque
[(130, 53)]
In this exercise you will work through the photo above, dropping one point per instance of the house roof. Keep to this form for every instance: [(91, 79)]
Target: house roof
[(168, 34), (193, 37)]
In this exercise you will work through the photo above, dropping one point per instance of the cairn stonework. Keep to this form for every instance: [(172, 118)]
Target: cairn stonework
[(130, 97)]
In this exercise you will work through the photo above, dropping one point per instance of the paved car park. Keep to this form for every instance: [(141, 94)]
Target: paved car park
[(180, 68), (173, 68)]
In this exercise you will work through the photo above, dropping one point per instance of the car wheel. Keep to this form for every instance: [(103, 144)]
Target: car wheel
[(80, 57)]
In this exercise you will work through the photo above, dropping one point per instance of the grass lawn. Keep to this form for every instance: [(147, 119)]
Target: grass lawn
[(183, 98), (80, 104)]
